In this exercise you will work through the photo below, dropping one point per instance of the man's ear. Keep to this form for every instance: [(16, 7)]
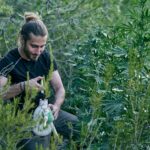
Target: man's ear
[(22, 41)]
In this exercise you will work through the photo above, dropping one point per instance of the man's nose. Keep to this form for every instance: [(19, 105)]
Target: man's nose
[(38, 50)]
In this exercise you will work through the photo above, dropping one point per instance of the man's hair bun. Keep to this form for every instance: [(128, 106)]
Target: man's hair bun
[(30, 16)]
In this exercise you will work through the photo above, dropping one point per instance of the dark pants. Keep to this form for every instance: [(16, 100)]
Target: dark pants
[(61, 124)]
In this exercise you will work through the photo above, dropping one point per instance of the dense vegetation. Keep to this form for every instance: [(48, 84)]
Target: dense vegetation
[(103, 52)]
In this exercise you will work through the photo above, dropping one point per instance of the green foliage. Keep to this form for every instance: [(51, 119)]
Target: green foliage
[(115, 64), (14, 124), (5, 10), (102, 50)]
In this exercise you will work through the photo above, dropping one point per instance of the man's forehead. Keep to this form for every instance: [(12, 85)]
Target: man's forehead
[(37, 37), (37, 40)]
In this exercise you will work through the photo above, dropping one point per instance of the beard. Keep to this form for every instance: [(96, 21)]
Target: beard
[(29, 55)]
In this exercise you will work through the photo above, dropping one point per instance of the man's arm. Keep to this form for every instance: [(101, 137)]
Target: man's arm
[(18, 88), (57, 84), (11, 91)]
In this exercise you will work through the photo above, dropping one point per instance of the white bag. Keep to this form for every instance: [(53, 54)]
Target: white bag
[(44, 119)]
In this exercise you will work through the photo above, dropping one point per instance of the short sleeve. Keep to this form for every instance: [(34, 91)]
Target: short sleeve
[(5, 66), (49, 61), (55, 65)]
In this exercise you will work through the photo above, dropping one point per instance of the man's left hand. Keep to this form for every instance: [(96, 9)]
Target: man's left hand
[(55, 110)]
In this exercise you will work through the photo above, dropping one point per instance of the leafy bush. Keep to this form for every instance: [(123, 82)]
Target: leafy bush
[(102, 50)]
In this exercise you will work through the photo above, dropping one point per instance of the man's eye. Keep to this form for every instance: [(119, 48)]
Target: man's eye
[(34, 46), (42, 46)]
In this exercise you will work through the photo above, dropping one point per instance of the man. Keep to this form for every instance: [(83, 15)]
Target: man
[(31, 59)]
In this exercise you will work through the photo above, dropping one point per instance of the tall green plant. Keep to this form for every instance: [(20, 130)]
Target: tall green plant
[(115, 62), (130, 131)]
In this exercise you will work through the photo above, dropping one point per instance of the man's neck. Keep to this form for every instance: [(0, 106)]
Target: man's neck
[(22, 54)]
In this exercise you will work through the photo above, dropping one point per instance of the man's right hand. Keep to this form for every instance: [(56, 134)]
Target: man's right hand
[(33, 83)]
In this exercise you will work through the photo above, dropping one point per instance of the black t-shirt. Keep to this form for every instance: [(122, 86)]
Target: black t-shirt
[(13, 65)]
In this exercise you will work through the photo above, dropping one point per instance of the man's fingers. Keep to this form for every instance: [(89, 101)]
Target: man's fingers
[(39, 86), (51, 106), (39, 78), (54, 109)]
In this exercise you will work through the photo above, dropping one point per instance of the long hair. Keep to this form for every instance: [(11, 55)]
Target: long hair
[(33, 24)]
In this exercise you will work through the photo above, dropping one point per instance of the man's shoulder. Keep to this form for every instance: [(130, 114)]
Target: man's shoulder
[(10, 54), (45, 56), (7, 62), (13, 53), (46, 53)]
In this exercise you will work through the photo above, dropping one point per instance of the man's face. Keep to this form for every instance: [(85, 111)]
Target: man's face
[(34, 46)]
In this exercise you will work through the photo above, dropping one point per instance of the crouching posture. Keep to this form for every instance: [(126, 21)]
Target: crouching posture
[(31, 57)]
